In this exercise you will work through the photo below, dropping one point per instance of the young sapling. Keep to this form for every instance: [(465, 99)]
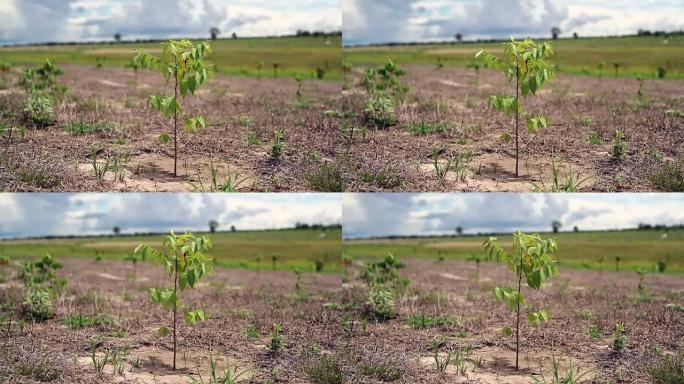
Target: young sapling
[(525, 64), (182, 62), (532, 261), (186, 263)]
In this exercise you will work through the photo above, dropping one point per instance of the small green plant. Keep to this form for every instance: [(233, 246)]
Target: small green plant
[(595, 332), (326, 178), (184, 63), (380, 111), (570, 376), (669, 176), (620, 145), (278, 145), (384, 284), (78, 128), (600, 66), (586, 121), (669, 369), (524, 64), (253, 139), (532, 260), (422, 128), (386, 81), (229, 182), (441, 362), (568, 182), (594, 138), (276, 338), (325, 370), (42, 286), (99, 363), (99, 168), (185, 262), (227, 376), (383, 371), (620, 339), (39, 110), (422, 321), (252, 332), (441, 169), (80, 321)]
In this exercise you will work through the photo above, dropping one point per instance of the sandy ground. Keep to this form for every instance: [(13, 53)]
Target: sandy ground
[(577, 107)]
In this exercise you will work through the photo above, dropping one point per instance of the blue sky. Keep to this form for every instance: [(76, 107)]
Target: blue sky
[(38, 214), (30, 21), (375, 21), (367, 215)]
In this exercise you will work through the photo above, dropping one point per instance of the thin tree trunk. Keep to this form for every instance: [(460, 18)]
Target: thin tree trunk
[(517, 118), (175, 125), (517, 324), (175, 309)]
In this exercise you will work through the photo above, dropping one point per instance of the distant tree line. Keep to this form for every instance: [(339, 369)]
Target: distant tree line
[(661, 227), (118, 39), (116, 232), (555, 32)]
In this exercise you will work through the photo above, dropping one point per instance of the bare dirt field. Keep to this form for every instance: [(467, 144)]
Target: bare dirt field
[(242, 115), (585, 113), (241, 308), (464, 318)]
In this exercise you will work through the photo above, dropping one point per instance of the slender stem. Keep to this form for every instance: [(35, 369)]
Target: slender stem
[(517, 324), (175, 124), (517, 117), (175, 307)]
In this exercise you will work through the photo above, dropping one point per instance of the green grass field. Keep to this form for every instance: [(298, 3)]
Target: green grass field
[(295, 55), (638, 56), (297, 249), (638, 249)]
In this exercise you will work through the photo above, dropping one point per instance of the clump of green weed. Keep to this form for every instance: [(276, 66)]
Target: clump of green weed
[(84, 127), (327, 178), (595, 139), (422, 128), (385, 371), (668, 369), (421, 321), (669, 176), (325, 370)]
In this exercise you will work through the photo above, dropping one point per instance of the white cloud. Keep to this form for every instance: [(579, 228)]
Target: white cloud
[(377, 21), (35, 214), (26, 21), (431, 214)]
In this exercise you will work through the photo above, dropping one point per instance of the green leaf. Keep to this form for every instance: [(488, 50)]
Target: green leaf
[(506, 138), (507, 331), (164, 138), (537, 317), (192, 317), (509, 296)]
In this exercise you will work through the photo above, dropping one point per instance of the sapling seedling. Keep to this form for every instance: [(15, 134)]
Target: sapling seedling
[(182, 62), (525, 64), (186, 263), (531, 260)]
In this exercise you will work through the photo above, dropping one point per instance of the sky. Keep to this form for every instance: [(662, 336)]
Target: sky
[(41, 214), (366, 215), (381, 21), (32, 21)]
